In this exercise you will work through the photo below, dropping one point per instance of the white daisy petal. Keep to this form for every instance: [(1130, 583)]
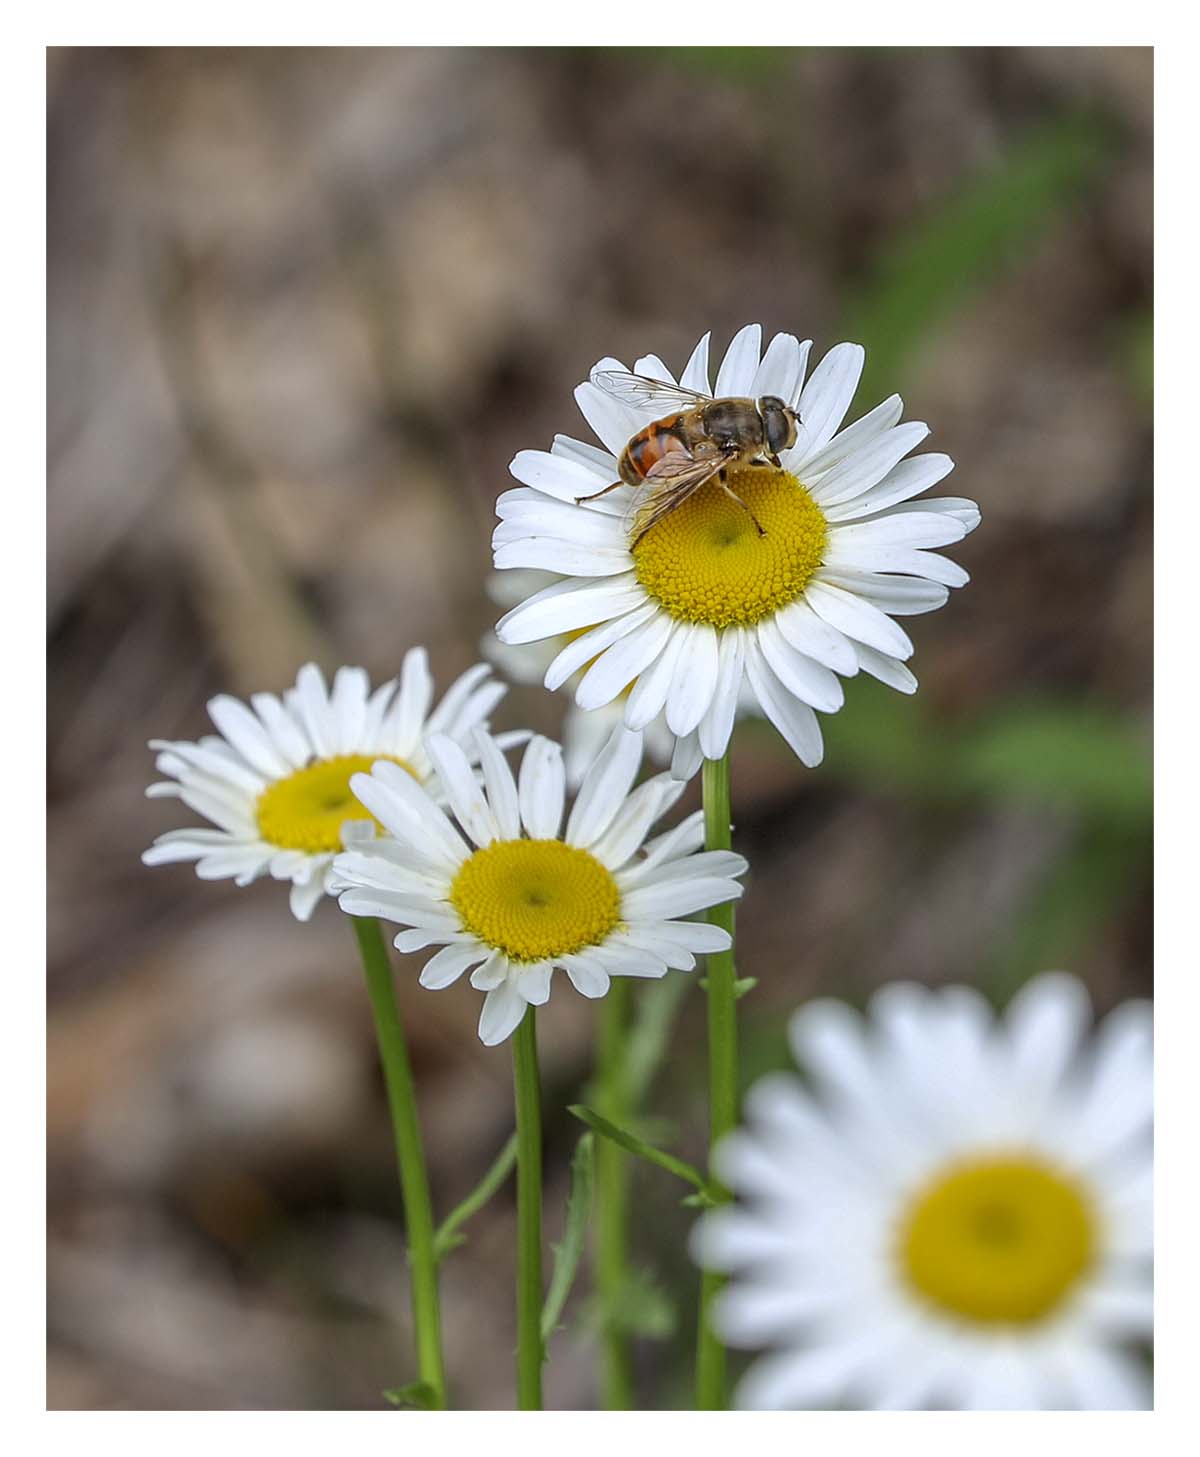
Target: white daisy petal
[(897, 596), (503, 1011), (246, 733), (738, 368), (617, 667), (694, 681), (650, 366), (695, 375), (581, 650), (800, 675), (781, 371), (868, 466), (542, 789), (648, 696), (612, 422), (905, 480), (847, 442), (445, 968), (599, 462), (533, 983), (501, 786), (827, 395), (587, 975), (858, 619), (717, 724), (887, 670), (794, 720), (569, 605), (558, 476), (463, 790), (605, 786)]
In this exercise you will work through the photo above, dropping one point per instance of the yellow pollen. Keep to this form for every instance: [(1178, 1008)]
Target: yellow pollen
[(706, 562), (306, 810), (533, 899), (998, 1241)]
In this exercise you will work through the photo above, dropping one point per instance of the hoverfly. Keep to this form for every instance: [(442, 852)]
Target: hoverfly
[(671, 458)]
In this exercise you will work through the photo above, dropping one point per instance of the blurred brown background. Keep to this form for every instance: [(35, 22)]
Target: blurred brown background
[(304, 307)]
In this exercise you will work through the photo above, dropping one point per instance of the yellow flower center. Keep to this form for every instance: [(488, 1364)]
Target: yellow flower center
[(706, 562), (306, 810), (533, 899), (997, 1241)]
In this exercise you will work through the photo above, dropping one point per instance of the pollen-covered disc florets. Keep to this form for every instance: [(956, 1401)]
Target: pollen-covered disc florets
[(707, 561), (511, 895), (533, 899)]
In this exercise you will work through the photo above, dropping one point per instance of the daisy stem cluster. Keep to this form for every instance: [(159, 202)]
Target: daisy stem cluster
[(410, 1156), (722, 1071), (528, 1100), (612, 1181)]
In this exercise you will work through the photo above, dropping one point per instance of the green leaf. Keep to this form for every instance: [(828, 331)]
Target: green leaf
[(447, 1237), (632, 1144), (416, 1396), (568, 1254)]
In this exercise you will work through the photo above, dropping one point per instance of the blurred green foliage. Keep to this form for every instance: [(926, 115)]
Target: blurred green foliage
[(931, 268)]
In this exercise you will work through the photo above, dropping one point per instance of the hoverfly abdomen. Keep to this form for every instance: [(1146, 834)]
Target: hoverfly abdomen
[(649, 446)]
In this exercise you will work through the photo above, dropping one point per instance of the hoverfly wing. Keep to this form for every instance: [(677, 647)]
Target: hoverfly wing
[(669, 482), (641, 393)]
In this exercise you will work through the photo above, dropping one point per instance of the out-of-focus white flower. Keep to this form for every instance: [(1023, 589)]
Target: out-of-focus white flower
[(957, 1214)]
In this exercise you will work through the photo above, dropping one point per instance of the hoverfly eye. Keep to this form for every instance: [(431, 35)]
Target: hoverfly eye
[(777, 424)]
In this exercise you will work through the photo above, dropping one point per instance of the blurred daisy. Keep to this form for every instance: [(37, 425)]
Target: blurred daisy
[(957, 1216), (514, 895), (275, 779), (584, 732), (703, 602)]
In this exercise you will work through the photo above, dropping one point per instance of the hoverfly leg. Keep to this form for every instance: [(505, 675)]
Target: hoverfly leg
[(733, 496), (597, 494)]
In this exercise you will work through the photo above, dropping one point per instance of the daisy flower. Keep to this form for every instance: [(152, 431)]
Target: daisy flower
[(702, 603), (957, 1214), (511, 893), (275, 778)]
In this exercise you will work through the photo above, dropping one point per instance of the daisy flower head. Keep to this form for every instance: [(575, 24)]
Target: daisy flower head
[(956, 1213), (779, 576), (512, 892), (274, 780)]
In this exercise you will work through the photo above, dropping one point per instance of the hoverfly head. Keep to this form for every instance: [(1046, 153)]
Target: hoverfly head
[(779, 424)]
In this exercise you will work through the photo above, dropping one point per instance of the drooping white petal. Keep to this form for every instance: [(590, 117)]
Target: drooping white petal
[(503, 1009)]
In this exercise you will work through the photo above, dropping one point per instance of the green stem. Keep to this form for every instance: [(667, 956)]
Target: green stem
[(414, 1181), (722, 1074), (527, 1096), (612, 1181)]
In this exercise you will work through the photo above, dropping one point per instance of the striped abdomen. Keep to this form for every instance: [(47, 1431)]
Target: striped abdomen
[(648, 447)]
